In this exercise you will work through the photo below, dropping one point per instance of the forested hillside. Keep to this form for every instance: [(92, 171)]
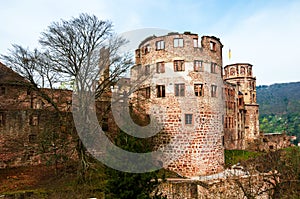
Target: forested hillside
[(280, 108)]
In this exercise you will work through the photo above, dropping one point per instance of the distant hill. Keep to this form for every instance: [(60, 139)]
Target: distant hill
[(279, 98), (279, 106)]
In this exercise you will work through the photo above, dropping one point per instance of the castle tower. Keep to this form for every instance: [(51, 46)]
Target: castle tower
[(183, 91), (241, 75)]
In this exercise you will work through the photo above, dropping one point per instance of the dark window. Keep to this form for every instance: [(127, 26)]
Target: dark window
[(32, 138), (160, 67), (195, 41), (212, 46), (147, 49), (2, 90), (2, 119), (105, 124), (179, 89), (147, 70), (178, 42), (34, 120), (148, 92), (198, 88), (178, 65), (160, 90), (188, 118), (213, 67), (198, 67), (213, 90), (160, 45), (144, 93), (242, 70)]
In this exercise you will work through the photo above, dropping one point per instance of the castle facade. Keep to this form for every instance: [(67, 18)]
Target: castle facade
[(200, 104)]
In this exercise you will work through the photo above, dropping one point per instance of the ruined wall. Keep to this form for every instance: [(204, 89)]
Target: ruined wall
[(217, 189), (272, 142), (234, 128), (181, 75), (33, 137), (247, 117)]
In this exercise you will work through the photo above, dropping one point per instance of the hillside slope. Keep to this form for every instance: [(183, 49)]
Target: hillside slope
[(280, 108)]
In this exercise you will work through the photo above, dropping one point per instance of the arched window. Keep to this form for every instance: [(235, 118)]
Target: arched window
[(242, 70), (232, 71)]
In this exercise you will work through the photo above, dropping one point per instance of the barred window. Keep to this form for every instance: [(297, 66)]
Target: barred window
[(179, 89), (198, 89), (188, 118), (178, 42), (198, 67), (160, 45), (160, 91), (179, 65), (213, 68)]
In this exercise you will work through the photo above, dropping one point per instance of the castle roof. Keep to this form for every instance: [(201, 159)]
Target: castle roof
[(8, 76)]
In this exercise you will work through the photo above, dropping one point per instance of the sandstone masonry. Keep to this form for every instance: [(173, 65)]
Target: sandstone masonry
[(184, 89)]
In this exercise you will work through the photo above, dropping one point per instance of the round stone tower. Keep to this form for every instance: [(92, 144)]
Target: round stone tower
[(241, 75), (183, 92)]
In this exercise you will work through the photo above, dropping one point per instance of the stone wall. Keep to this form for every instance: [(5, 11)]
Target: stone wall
[(191, 118), (33, 137), (246, 121), (217, 189)]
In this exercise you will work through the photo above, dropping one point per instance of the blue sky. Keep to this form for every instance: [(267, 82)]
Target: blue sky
[(263, 33)]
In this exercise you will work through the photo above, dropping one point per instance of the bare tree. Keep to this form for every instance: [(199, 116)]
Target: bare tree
[(83, 48)]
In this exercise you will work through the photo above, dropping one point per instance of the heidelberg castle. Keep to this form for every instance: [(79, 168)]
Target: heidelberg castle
[(189, 92)]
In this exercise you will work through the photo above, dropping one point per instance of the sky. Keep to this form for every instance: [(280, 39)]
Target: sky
[(264, 33)]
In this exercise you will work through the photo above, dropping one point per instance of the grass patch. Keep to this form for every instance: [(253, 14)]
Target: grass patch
[(232, 157)]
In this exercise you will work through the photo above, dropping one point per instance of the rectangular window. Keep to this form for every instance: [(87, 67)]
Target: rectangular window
[(212, 46), (147, 92), (32, 138), (147, 49), (198, 67), (160, 67), (105, 126), (147, 70), (2, 90), (178, 42), (188, 118), (161, 91), (213, 90), (2, 119), (179, 65), (160, 45), (195, 41), (213, 67), (144, 93), (34, 120), (198, 88), (179, 89)]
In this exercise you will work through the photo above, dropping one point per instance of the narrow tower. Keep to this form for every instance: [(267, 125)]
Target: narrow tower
[(241, 75)]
